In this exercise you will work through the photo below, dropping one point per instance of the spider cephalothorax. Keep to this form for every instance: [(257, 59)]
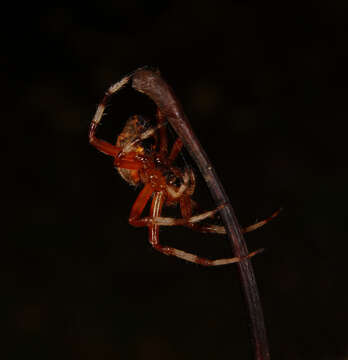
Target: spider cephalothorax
[(129, 140), (141, 156), (140, 141)]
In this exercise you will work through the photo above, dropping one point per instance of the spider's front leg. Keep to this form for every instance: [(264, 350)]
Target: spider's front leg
[(124, 161), (102, 145)]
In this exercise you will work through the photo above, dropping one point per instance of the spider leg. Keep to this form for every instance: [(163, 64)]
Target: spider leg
[(156, 209), (186, 211), (102, 145), (101, 107), (261, 223), (176, 148), (168, 221), (139, 205)]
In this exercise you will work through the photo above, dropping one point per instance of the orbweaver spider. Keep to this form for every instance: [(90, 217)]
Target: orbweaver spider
[(167, 184)]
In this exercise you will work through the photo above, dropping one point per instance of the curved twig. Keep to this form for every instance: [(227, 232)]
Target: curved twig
[(153, 85)]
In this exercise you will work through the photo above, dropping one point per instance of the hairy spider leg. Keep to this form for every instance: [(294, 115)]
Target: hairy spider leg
[(139, 206), (260, 223), (125, 161), (102, 145), (186, 211), (163, 147), (155, 212), (177, 146)]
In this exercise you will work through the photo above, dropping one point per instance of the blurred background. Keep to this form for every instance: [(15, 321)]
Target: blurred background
[(264, 86)]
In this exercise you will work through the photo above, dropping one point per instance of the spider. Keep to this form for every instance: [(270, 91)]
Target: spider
[(151, 163)]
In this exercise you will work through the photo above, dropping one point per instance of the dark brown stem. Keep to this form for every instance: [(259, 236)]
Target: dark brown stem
[(154, 86)]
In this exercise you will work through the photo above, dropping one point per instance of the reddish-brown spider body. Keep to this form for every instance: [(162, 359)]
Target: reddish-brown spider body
[(135, 126), (141, 156), (139, 141)]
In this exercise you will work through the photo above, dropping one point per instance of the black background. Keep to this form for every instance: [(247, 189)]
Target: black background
[(265, 87)]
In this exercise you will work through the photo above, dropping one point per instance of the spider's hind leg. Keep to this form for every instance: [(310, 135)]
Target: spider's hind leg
[(156, 209), (186, 211)]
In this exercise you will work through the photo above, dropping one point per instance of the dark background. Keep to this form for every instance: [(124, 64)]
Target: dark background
[(264, 86)]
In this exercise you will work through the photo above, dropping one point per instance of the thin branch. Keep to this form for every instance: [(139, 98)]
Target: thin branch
[(153, 85)]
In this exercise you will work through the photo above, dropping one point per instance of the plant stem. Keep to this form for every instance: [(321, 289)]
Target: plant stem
[(153, 85)]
